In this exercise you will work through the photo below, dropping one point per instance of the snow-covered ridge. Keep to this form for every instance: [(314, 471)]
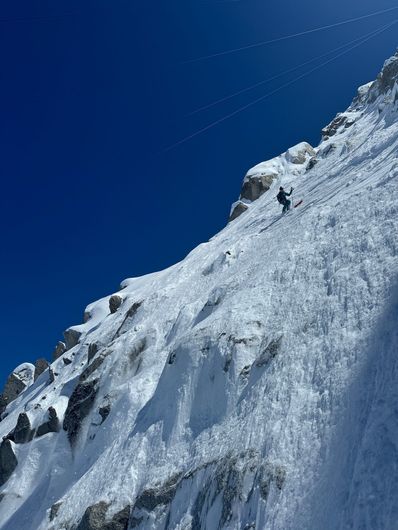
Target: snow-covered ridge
[(302, 157), (252, 385), (260, 178)]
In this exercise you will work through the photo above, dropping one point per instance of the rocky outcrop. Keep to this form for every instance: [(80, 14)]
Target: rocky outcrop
[(3, 405), (8, 461), (41, 366), (215, 486), (254, 186), (261, 177), (72, 337), (269, 353), (92, 351), (386, 79), (51, 425), (342, 121), (104, 412), (17, 382), (60, 349), (154, 497), (311, 163), (115, 301), (94, 365), (237, 209), (269, 476), (23, 430), (95, 518), (54, 510), (127, 319), (300, 153), (79, 406)]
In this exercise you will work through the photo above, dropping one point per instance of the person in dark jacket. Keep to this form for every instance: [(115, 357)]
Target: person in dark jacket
[(283, 199)]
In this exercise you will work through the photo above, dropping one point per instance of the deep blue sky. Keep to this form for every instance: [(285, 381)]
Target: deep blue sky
[(91, 94)]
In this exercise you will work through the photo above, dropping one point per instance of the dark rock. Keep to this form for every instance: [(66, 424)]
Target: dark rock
[(228, 361), (311, 163), (328, 150), (16, 383), (120, 520), (96, 363), (79, 406), (92, 351), (41, 366), (151, 498), (133, 309), (60, 349), (386, 79), (220, 485), (230, 482), (239, 208), (3, 406), (245, 371), (279, 477), (23, 430), (340, 121), (54, 510), (224, 485), (8, 461), (72, 337), (135, 521), (9, 436), (172, 357), (269, 353), (254, 186), (137, 348), (94, 518), (104, 412), (115, 301), (52, 425), (129, 315), (271, 475), (66, 361), (51, 374)]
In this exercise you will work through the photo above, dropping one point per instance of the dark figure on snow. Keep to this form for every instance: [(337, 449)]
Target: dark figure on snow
[(283, 199)]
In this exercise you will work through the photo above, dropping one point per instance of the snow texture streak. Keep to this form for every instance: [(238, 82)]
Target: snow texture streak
[(251, 386)]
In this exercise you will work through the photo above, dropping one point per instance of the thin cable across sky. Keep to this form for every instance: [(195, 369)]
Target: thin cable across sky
[(291, 36), (285, 72), (261, 98)]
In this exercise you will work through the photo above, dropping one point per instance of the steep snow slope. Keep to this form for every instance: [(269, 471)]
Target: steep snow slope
[(252, 385)]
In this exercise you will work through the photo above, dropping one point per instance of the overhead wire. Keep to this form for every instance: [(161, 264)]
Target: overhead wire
[(277, 76), (289, 83), (291, 36)]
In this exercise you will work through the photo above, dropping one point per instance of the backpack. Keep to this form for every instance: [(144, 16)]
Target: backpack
[(281, 197)]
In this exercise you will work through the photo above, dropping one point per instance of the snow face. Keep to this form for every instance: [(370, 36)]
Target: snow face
[(253, 384), (284, 164), (25, 372)]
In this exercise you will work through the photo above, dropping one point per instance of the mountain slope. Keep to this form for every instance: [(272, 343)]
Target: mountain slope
[(252, 385)]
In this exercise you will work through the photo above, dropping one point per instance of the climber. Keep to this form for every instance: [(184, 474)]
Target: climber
[(282, 199)]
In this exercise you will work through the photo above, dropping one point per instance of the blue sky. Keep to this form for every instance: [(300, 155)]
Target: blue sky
[(92, 95)]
